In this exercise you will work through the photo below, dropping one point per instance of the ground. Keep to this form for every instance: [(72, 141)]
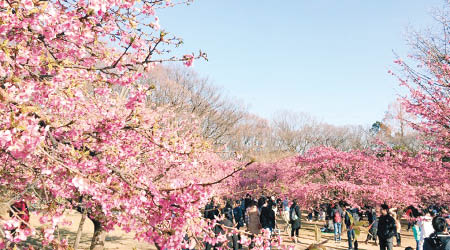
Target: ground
[(118, 239), (308, 237)]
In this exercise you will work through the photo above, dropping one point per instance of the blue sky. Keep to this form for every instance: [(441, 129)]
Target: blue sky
[(328, 58)]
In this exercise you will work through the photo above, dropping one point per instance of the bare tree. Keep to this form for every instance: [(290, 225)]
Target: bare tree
[(186, 92), (298, 132), (398, 131), (233, 131), (252, 137), (294, 131)]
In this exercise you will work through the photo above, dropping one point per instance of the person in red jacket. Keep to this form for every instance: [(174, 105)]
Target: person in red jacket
[(20, 209)]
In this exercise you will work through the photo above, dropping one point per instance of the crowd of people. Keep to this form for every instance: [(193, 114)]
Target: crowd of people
[(430, 227), (258, 215)]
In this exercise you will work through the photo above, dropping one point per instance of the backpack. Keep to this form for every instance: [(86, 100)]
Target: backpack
[(337, 217), (349, 219), (436, 242), (293, 214)]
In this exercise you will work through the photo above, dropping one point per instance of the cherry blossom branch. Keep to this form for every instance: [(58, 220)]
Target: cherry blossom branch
[(214, 182)]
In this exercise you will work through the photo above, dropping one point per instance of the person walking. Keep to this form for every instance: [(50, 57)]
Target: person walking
[(230, 222), (238, 214), (295, 220), (279, 206), (267, 217), (409, 216), (285, 214), (416, 233), (369, 214), (228, 211), (398, 226), (310, 214), (316, 213), (372, 235), (273, 204), (337, 214), (329, 217), (373, 226), (322, 213), (254, 226), (386, 229), (426, 227), (211, 209), (247, 201), (349, 223), (261, 201)]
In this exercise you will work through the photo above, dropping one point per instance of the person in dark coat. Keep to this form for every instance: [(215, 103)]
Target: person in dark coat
[(373, 226), (211, 209), (349, 221), (219, 228), (261, 202), (316, 213), (295, 220), (267, 217), (238, 214), (440, 239), (350, 218), (329, 217), (229, 222), (228, 211), (371, 215), (386, 229), (247, 201)]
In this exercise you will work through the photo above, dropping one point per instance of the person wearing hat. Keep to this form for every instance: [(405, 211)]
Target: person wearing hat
[(386, 229)]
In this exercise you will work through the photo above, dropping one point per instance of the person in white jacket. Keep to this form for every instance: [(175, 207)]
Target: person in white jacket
[(426, 228)]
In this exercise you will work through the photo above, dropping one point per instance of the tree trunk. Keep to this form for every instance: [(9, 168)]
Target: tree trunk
[(80, 230), (98, 240)]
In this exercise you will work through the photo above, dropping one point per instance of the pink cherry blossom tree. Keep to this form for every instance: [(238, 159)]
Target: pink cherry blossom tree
[(358, 177), (77, 133), (425, 76)]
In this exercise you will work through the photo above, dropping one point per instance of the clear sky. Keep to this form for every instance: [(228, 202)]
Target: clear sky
[(328, 58)]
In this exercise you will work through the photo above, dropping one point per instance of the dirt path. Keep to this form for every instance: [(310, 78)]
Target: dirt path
[(118, 239), (307, 237)]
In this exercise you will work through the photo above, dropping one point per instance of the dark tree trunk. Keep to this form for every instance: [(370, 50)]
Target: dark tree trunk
[(98, 240)]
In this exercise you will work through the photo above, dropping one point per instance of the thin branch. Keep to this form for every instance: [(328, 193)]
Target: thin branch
[(211, 183)]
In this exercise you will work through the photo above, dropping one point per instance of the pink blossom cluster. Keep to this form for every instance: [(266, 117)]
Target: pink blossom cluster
[(77, 131), (361, 178)]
